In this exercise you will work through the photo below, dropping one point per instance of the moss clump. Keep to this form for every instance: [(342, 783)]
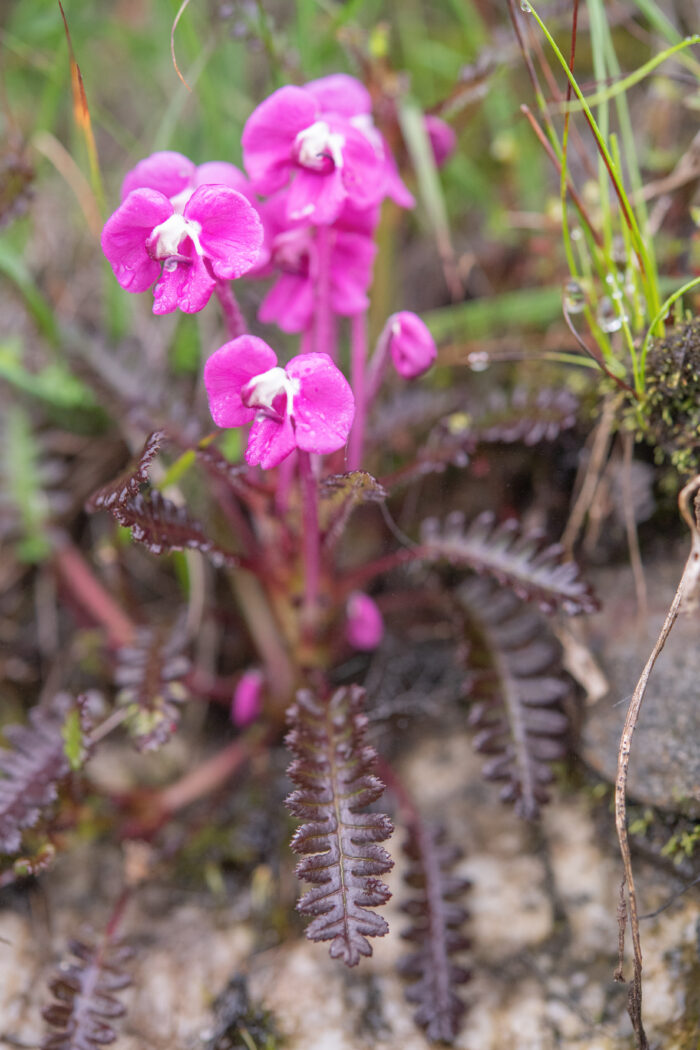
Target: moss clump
[(669, 416)]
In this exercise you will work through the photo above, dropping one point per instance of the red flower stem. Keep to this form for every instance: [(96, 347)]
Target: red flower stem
[(285, 477), (235, 321), (325, 326), (358, 362), (79, 580), (312, 538)]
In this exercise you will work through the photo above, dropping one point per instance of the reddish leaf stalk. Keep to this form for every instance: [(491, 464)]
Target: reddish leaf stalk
[(312, 538), (235, 322), (77, 576)]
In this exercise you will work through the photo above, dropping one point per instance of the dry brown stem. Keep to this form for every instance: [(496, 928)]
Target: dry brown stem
[(687, 588)]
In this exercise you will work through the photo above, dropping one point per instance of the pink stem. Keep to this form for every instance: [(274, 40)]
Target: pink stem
[(325, 322), (79, 579), (376, 367), (285, 477), (312, 538), (235, 321), (358, 361)]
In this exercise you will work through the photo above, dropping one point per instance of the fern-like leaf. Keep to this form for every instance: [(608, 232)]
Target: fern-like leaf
[(31, 769), (437, 919), (118, 492), (525, 415), (150, 673), (333, 772), (535, 570), (517, 687), (162, 527), (85, 1005)]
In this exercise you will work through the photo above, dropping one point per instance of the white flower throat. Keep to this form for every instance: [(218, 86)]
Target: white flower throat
[(319, 148), (272, 392), (166, 238)]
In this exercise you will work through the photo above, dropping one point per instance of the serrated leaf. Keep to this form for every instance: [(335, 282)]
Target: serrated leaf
[(517, 688), (536, 571), (435, 932), (333, 773), (128, 483)]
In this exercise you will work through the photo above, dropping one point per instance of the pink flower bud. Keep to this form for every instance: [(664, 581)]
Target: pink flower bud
[(442, 139), (412, 346), (364, 628), (247, 698)]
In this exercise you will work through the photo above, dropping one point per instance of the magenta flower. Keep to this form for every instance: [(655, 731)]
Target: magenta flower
[(247, 698), (343, 94), (292, 251), (411, 345), (291, 134), (365, 627), (308, 404), (216, 235)]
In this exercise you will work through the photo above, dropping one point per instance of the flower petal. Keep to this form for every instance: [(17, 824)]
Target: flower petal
[(188, 286), (342, 94), (351, 272), (289, 303), (364, 171), (126, 233), (166, 171), (231, 234), (269, 442), (316, 197), (221, 173), (324, 407), (269, 134), (228, 370)]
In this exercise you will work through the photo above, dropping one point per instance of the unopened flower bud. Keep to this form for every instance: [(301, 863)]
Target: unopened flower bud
[(412, 346), (247, 698), (364, 628), (442, 139)]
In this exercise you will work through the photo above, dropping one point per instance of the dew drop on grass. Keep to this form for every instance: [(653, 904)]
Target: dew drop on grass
[(525, 6), (574, 297), (608, 317)]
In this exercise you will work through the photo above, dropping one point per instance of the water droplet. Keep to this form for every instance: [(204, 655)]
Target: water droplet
[(478, 361), (574, 297), (525, 6), (576, 233), (608, 317)]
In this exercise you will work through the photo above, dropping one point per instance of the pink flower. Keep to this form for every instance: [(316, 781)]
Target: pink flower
[(442, 138), (292, 250), (291, 134), (411, 345), (215, 235), (343, 94), (365, 627), (308, 404), (176, 177), (247, 698)]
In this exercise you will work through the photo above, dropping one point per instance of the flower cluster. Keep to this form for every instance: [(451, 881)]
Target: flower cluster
[(324, 168)]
